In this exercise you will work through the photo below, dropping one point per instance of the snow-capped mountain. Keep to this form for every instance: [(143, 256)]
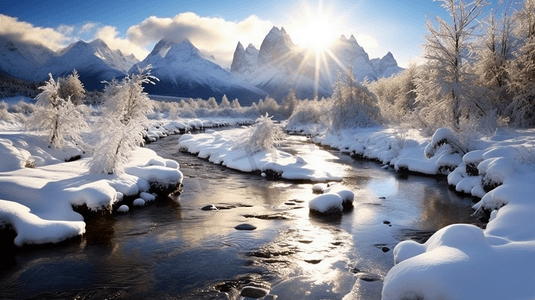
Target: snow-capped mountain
[(20, 59), (94, 61), (280, 65), (183, 71)]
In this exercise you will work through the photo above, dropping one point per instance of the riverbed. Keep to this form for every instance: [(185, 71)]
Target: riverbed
[(173, 248)]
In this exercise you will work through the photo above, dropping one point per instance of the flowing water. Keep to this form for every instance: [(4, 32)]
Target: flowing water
[(173, 249)]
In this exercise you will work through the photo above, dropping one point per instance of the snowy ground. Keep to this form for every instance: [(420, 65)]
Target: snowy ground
[(462, 261), (223, 147), (38, 189)]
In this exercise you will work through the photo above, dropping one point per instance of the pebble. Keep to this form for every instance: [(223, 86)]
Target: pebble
[(245, 226)]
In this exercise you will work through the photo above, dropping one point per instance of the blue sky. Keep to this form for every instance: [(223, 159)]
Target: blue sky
[(215, 27)]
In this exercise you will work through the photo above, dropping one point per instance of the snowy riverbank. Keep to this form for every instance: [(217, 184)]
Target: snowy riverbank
[(461, 261)]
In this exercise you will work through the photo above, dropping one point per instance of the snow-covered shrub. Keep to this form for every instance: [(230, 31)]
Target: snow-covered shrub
[(264, 135), (22, 107), (60, 117), (4, 113), (267, 106), (444, 136), (123, 122), (308, 113)]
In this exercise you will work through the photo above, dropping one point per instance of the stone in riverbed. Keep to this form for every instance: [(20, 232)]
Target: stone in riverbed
[(245, 226), (209, 207), (253, 292)]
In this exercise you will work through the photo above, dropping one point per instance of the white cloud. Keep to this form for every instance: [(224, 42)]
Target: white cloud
[(367, 41), (110, 36), (87, 27), (212, 35), (26, 32)]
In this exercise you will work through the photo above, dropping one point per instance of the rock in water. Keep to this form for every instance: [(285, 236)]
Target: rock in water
[(253, 292), (245, 226), (209, 207)]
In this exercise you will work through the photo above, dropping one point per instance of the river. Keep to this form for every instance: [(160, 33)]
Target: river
[(173, 249)]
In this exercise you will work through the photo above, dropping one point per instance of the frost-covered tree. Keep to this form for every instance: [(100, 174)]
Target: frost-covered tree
[(493, 55), (71, 87), (353, 105), (396, 96), (445, 84), (236, 103), (289, 103), (58, 116), (212, 103), (224, 102), (264, 135), (123, 122), (521, 70)]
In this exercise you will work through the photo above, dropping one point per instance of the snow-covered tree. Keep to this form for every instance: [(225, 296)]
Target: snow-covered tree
[(493, 55), (224, 102), (212, 103), (123, 122), (289, 103), (396, 96), (521, 70), (72, 87), (353, 105), (236, 103), (264, 135), (60, 117), (446, 82)]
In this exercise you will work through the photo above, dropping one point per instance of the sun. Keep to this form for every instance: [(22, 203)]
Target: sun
[(314, 28)]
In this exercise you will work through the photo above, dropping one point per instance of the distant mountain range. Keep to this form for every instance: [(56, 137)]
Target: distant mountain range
[(273, 70), (280, 65)]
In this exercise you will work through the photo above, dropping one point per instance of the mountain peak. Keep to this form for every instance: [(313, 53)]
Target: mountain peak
[(184, 51), (275, 45), (98, 43)]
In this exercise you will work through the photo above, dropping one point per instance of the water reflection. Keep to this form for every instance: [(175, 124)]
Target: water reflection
[(174, 249)]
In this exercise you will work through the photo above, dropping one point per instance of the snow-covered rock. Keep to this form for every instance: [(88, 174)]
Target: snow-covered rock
[(326, 204)]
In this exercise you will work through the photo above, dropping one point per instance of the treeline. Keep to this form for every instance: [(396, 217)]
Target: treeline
[(479, 71), (11, 86)]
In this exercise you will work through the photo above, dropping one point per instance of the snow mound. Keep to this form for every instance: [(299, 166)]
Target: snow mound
[(31, 229), (226, 147), (326, 204)]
